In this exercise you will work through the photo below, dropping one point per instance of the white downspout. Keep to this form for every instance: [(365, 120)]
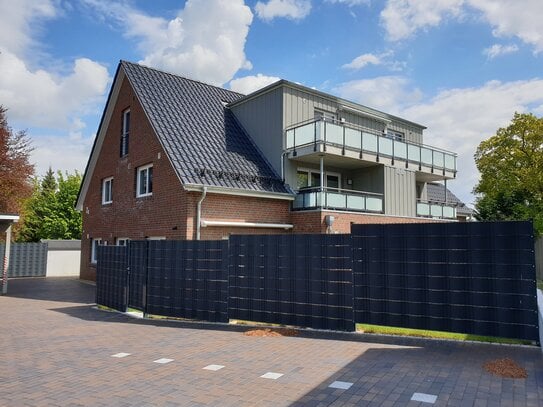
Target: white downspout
[(199, 212)]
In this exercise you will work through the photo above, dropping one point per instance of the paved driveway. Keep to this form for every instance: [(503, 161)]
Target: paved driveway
[(58, 350)]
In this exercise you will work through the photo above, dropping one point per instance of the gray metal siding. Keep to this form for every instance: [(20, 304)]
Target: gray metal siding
[(261, 119), (369, 179), (400, 192)]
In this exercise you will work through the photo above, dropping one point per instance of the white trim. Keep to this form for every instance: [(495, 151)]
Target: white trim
[(206, 223), (14, 218), (156, 238), (363, 113), (139, 170), (94, 254), (104, 182), (121, 239), (238, 192)]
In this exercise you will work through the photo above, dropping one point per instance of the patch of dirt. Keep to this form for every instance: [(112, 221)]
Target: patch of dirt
[(271, 332), (505, 368)]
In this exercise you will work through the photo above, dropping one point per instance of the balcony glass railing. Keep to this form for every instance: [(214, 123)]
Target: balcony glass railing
[(364, 140), (341, 199), (441, 210)]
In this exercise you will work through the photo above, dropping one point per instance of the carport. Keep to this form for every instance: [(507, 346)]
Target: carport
[(5, 227)]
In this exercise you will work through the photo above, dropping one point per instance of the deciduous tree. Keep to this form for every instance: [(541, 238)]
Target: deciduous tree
[(511, 168), (16, 171)]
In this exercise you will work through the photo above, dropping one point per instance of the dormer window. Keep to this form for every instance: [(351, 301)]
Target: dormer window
[(125, 132)]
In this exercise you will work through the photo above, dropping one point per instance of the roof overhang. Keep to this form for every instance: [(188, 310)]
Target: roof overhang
[(239, 192), (100, 135), (6, 221)]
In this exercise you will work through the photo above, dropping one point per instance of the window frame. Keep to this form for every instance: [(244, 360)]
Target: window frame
[(395, 135), (94, 248), (121, 239), (125, 132), (310, 171), (149, 181), (105, 182)]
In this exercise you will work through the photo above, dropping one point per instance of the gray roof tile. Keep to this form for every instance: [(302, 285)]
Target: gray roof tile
[(436, 193), (203, 139)]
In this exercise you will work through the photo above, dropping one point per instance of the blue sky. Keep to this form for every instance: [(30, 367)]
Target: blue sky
[(460, 67)]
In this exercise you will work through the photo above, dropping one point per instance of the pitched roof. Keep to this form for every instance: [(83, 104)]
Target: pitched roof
[(204, 141), (436, 193)]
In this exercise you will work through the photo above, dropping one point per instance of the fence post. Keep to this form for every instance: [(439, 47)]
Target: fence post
[(146, 280)]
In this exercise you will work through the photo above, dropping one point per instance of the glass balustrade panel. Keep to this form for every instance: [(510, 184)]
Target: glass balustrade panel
[(374, 204), (436, 211), (449, 212), (305, 134), (400, 149), (369, 142), (439, 159), (334, 133), (353, 138), (426, 156), (450, 162), (423, 209), (357, 203), (413, 153), (290, 138), (385, 146), (335, 200)]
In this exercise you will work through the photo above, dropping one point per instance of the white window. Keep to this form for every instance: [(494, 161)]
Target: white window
[(125, 132), (327, 116), (310, 178), (156, 238), (107, 190), (396, 135), (94, 248), (121, 241), (144, 183)]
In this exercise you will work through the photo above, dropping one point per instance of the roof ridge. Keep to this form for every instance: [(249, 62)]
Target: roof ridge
[(123, 61)]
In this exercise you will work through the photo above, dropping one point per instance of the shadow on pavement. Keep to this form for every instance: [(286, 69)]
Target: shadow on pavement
[(62, 289)]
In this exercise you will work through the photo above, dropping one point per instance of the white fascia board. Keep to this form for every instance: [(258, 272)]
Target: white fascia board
[(12, 218), (238, 192), (99, 141)]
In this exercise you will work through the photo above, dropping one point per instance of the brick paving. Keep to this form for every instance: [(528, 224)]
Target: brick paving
[(57, 350)]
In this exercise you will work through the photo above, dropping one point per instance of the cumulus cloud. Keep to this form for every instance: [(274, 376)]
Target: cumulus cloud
[(457, 119), (248, 84), (37, 96), (291, 9), (497, 50), (402, 18), (350, 3), (384, 58), (388, 93), (205, 41), (519, 18)]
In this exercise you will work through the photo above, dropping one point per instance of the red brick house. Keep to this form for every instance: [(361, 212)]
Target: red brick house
[(179, 159)]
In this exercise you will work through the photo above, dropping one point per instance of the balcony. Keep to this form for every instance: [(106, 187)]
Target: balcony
[(339, 199), (436, 210), (339, 139)]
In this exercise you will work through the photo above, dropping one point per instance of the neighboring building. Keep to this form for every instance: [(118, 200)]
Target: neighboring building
[(437, 194), (179, 159)]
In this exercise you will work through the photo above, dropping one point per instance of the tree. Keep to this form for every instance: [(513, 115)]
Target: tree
[(511, 168), (16, 172), (50, 213)]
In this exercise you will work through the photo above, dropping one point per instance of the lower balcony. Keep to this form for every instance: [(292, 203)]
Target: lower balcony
[(436, 210), (339, 199)]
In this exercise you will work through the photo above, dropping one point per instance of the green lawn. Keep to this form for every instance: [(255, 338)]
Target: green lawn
[(389, 330), (540, 284)]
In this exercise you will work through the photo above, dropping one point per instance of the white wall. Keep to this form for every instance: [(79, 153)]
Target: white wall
[(63, 258)]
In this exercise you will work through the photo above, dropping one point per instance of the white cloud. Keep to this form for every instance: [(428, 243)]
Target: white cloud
[(384, 58), (41, 97), (291, 9), (248, 84), (402, 18), (20, 20), (457, 119), (363, 60), (499, 49), (518, 18), (387, 93), (205, 41), (350, 3)]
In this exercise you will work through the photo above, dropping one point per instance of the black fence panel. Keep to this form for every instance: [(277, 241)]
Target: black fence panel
[(303, 280), (111, 277), (188, 279), (137, 273), (475, 278)]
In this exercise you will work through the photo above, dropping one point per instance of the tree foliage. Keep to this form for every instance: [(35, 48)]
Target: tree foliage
[(511, 168), (50, 212), (16, 172)]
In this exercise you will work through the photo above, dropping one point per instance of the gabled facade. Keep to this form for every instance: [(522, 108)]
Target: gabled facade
[(179, 159)]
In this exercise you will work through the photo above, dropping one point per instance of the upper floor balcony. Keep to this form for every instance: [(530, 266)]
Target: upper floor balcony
[(319, 136)]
